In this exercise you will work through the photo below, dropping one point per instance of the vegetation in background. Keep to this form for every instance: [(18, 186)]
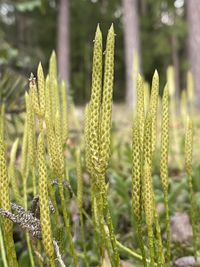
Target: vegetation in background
[(162, 39)]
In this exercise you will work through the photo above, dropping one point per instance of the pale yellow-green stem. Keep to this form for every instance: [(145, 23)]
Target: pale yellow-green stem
[(164, 163), (60, 159), (147, 149), (92, 135), (106, 113), (31, 139), (30, 252), (95, 102), (2, 120), (41, 90), (53, 84), (55, 149), (80, 202), (2, 249), (89, 169), (140, 107), (146, 97), (87, 139), (136, 183), (53, 66), (105, 131), (59, 144), (153, 107), (99, 134), (159, 252), (47, 238), (55, 163), (48, 100), (12, 174), (25, 162), (188, 166), (33, 92), (149, 207), (24, 172), (64, 108), (7, 225)]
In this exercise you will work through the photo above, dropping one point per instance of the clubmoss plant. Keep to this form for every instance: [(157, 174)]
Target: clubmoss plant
[(106, 112), (2, 120), (159, 251), (25, 171), (34, 94), (64, 108), (92, 131), (147, 150), (24, 150), (164, 163), (146, 97), (53, 85), (44, 202), (140, 108), (80, 202), (153, 107), (95, 103), (105, 128), (7, 226), (12, 175), (2, 249), (86, 139), (137, 184), (100, 133), (31, 140), (41, 90), (149, 206), (55, 143), (188, 167)]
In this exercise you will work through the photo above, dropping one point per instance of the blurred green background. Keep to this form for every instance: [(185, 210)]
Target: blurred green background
[(155, 29)]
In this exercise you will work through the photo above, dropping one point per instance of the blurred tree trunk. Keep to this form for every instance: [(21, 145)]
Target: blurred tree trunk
[(63, 41), (143, 7), (132, 51), (193, 16)]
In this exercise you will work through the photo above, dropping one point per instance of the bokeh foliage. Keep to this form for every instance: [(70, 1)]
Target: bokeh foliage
[(26, 42)]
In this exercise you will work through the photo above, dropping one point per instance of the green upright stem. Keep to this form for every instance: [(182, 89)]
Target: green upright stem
[(52, 192), (151, 245), (34, 181), (112, 236), (120, 246), (193, 216), (167, 220), (25, 176), (94, 223), (141, 243), (83, 239), (30, 250), (67, 225), (105, 239), (159, 249), (2, 248)]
